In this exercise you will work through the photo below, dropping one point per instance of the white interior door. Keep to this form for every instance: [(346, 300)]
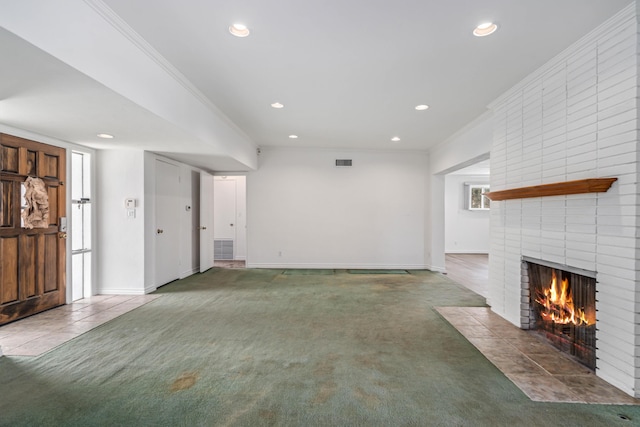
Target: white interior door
[(206, 221), (167, 220), (224, 201)]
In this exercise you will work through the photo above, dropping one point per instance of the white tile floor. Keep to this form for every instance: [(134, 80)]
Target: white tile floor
[(42, 332)]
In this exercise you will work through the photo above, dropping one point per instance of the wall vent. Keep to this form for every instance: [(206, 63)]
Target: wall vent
[(344, 162), (223, 249)]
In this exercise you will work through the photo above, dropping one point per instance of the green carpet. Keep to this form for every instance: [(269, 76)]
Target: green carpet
[(308, 272), (262, 348)]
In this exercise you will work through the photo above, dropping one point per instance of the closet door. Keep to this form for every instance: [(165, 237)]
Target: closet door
[(225, 215), (167, 222), (32, 250)]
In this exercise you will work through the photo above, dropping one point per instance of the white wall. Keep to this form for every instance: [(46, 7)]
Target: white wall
[(468, 146), (303, 211), (465, 148), (126, 247), (120, 242), (466, 231), (575, 118)]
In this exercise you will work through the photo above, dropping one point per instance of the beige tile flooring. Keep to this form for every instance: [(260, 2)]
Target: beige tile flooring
[(42, 332), (229, 264), (542, 372)]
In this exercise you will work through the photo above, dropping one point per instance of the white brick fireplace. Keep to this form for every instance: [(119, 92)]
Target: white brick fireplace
[(575, 118)]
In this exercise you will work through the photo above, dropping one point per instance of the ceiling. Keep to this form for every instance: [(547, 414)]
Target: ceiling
[(349, 73)]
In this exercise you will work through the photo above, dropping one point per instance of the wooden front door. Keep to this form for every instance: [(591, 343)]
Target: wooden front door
[(32, 261)]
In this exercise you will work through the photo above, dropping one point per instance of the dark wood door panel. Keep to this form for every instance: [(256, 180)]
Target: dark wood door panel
[(9, 290), (19, 310), (6, 204), (53, 192), (27, 265), (50, 166), (9, 159), (32, 261), (50, 262)]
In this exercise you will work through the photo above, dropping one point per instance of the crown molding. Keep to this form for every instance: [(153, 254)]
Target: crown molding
[(137, 40)]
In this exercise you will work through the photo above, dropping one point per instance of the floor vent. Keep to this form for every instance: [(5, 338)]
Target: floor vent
[(223, 249), (344, 162)]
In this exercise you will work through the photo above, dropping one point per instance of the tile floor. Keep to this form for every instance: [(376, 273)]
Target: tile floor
[(229, 264), (541, 371), (42, 332)]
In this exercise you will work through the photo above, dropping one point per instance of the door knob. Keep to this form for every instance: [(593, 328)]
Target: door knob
[(231, 225), (202, 228), (160, 231), (62, 235)]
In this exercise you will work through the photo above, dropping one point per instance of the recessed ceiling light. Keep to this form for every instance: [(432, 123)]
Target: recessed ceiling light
[(485, 29), (421, 107), (105, 136), (395, 139), (293, 136), (239, 30), (277, 105)]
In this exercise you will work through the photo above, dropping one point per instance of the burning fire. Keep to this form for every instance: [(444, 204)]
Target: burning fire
[(558, 304)]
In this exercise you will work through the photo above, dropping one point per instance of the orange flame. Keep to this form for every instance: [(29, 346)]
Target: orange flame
[(558, 304)]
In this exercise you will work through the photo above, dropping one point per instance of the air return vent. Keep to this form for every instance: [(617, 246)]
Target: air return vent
[(223, 249), (344, 162)]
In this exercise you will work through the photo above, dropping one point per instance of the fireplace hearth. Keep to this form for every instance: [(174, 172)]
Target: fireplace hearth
[(562, 308)]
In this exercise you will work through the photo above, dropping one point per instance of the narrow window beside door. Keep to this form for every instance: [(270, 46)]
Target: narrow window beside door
[(80, 225)]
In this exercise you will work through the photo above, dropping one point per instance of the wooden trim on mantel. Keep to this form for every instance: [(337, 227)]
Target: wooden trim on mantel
[(591, 185)]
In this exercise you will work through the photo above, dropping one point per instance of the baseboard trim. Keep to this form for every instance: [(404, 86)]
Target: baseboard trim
[(124, 291), (462, 252), (437, 269), (339, 266)]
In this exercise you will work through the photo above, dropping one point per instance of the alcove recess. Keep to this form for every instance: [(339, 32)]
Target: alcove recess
[(590, 185)]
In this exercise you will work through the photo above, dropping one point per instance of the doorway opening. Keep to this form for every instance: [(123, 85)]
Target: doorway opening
[(229, 221), (466, 230)]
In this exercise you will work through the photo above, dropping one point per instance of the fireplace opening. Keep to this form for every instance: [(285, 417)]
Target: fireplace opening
[(563, 310)]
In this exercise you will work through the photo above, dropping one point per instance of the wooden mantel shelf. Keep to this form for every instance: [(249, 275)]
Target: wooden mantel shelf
[(591, 185)]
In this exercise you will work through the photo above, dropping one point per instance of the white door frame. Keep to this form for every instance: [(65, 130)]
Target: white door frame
[(206, 221)]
